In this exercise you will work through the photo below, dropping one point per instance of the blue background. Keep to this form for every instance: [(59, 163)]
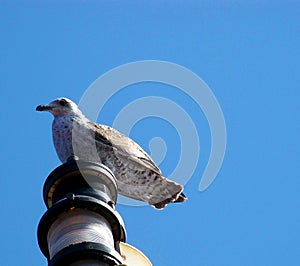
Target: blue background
[(247, 52)]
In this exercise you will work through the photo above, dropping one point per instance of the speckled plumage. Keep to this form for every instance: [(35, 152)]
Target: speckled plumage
[(137, 175)]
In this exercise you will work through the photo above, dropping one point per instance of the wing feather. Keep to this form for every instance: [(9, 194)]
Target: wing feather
[(124, 146)]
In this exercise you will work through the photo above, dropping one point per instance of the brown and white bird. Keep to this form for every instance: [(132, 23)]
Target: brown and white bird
[(137, 175)]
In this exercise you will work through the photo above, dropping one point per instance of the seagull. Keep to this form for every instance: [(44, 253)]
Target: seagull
[(137, 176)]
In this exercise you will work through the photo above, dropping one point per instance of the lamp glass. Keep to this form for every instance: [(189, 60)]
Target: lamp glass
[(77, 226)]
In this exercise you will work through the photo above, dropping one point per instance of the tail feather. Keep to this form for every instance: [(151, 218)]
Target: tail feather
[(175, 198), (181, 198)]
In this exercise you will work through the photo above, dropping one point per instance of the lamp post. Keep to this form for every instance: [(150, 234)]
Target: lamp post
[(81, 225)]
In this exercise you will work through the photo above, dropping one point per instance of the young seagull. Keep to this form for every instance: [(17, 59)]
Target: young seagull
[(137, 175)]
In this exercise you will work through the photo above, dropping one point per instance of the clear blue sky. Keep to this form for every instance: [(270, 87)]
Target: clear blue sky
[(248, 53)]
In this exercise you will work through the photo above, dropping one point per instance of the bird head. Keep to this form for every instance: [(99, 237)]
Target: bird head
[(60, 107)]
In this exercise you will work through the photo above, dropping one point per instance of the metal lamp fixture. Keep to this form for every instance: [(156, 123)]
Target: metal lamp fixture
[(81, 225)]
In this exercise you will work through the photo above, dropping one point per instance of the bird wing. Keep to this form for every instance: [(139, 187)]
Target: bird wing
[(124, 146)]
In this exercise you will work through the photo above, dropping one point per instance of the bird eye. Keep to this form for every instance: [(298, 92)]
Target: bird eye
[(63, 102)]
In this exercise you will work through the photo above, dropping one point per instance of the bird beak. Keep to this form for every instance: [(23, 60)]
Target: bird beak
[(43, 108)]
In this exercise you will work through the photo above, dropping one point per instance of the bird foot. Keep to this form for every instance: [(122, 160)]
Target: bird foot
[(72, 158)]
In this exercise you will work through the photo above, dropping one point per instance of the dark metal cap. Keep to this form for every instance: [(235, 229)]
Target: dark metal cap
[(80, 178)]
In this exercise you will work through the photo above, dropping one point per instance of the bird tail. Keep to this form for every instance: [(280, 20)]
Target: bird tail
[(175, 198), (181, 198)]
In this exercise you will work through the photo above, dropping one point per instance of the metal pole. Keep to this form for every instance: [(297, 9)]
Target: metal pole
[(81, 225)]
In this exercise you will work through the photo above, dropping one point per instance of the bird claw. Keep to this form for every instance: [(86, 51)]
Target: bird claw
[(72, 158)]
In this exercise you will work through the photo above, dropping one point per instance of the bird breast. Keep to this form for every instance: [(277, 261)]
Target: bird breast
[(72, 137)]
